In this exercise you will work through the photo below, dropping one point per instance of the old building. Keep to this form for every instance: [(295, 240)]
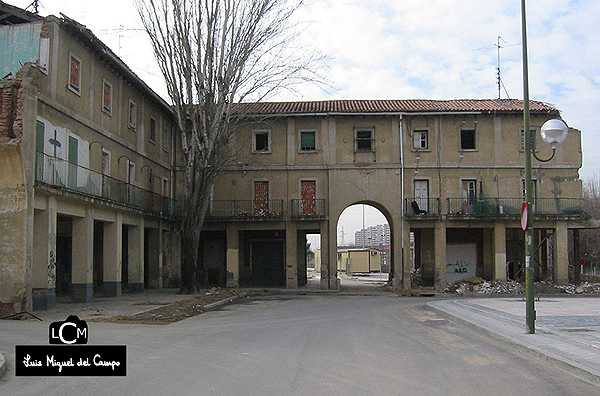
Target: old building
[(447, 175), (87, 168)]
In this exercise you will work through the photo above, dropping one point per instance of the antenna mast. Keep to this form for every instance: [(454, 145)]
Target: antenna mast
[(35, 5), (498, 71)]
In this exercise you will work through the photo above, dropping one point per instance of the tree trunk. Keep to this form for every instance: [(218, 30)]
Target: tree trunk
[(189, 262)]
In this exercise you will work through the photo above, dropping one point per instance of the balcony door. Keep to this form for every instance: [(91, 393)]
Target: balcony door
[(261, 197), (422, 194), (308, 190)]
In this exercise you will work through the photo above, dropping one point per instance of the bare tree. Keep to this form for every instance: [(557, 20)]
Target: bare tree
[(214, 54), (590, 239)]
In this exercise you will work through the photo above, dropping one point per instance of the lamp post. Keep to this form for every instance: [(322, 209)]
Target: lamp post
[(553, 132)]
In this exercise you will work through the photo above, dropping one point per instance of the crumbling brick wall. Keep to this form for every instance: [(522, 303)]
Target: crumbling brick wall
[(12, 96)]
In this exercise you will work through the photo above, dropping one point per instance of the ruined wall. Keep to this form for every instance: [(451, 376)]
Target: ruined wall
[(13, 200)]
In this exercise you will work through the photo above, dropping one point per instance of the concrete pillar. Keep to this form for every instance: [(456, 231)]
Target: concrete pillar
[(291, 256), (136, 258), (561, 244), (401, 257), (440, 255), (44, 257), (233, 256), (329, 279), (152, 238), (82, 275), (500, 251), (113, 257)]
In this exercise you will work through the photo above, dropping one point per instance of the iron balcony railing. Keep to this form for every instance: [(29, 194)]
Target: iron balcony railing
[(458, 207), (422, 207), (308, 208), (260, 209), (512, 206), (60, 173)]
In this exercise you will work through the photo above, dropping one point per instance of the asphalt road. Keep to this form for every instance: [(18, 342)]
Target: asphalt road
[(302, 345)]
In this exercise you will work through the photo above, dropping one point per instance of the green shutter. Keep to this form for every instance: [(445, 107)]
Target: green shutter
[(73, 150), (39, 136)]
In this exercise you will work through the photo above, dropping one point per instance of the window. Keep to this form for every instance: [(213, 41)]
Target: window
[(308, 141), (420, 140), (467, 139), (533, 133), (107, 90), (75, 74), (165, 187), (364, 139), (469, 191), (152, 136), (261, 142), (166, 139), (132, 114)]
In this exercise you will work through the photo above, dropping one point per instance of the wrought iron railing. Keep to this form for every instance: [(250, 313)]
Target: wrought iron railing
[(246, 209), (60, 173), (308, 208), (422, 207), (512, 206)]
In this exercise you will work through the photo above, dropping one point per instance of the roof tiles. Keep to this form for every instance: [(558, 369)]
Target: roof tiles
[(393, 106)]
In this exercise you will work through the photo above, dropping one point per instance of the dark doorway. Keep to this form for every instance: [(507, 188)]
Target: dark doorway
[(267, 258), (214, 261), (64, 255), (98, 256)]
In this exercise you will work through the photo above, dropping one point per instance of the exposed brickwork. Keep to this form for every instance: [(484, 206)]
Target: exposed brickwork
[(6, 309), (12, 96)]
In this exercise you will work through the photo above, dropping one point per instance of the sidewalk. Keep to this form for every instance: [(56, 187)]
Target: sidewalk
[(567, 328)]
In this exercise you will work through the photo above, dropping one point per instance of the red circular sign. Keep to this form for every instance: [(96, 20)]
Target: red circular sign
[(524, 216)]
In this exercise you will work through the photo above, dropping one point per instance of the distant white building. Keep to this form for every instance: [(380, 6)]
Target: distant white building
[(378, 235)]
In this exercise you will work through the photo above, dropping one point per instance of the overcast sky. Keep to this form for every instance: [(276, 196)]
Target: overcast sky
[(417, 49)]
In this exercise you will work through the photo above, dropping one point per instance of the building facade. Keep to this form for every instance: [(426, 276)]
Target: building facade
[(87, 169), (447, 175)]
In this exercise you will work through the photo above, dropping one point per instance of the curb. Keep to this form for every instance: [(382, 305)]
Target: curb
[(220, 303), (2, 365), (564, 364)]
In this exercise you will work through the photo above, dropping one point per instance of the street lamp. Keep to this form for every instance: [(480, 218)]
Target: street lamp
[(553, 132)]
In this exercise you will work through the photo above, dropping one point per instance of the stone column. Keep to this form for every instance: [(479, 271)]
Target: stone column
[(44, 257), (233, 256), (82, 275), (136, 258), (291, 256), (113, 233), (329, 279), (440, 255), (561, 246), (500, 251)]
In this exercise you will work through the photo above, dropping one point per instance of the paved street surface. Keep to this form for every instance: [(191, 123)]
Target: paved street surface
[(567, 328), (316, 344)]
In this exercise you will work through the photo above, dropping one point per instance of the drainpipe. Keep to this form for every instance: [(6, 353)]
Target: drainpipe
[(402, 199)]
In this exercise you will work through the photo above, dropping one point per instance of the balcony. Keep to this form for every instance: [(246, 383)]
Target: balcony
[(266, 210), (309, 209), (61, 174), (246, 210), (490, 207)]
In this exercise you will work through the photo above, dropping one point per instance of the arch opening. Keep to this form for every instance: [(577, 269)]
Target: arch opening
[(364, 247)]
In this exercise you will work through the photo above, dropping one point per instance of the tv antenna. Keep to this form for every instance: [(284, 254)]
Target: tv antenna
[(35, 5), (498, 46), (342, 235)]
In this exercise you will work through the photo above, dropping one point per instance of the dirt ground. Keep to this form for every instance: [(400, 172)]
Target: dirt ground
[(174, 312)]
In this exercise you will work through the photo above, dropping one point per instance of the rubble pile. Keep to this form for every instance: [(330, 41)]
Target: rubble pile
[(478, 286)]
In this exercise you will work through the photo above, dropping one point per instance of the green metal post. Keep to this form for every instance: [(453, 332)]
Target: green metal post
[(529, 269)]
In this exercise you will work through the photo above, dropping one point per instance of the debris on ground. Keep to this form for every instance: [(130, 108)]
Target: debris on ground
[(478, 286), (174, 312)]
